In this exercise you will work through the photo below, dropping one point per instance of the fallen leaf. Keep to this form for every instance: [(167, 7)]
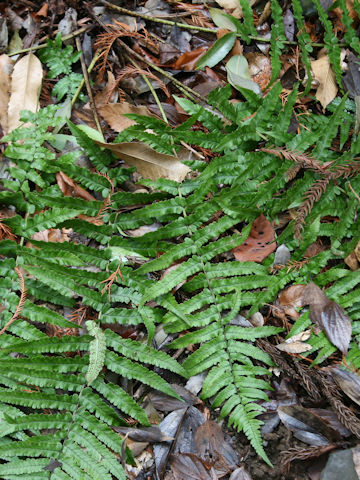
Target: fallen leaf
[(149, 163), (233, 7), (282, 255), (324, 74), (71, 189), (25, 88), (330, 317), (54, 235), (352, 261), (349, 382), (217, 51), (294, 347), (259, 244), (240, 474), (190, 467), (238, 74), (145, 434), (259, 68), (5, 71), (113, 113), (188, 60), (292, 296), (221, 20)]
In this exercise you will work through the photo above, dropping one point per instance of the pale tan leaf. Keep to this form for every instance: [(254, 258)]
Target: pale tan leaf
[(5, 71), (324, 74), (25, 88), (294, 347), (113, 113), (233, 7), (300, 337), (149, 163)]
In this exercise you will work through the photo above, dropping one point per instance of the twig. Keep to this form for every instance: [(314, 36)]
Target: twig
[(44, 45), (21, 301), (88, 86), (353, 191), (82, 83)]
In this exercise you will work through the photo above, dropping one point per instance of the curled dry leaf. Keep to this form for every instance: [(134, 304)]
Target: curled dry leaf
[(145, 434), (349, 382), (188, 60), (259, 244), (295, 344), (233, 7), (25, 88), (149, 163)]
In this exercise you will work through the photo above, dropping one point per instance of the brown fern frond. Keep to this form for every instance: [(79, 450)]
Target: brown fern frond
[(292, 172), (21, 303), (346, 171), (301, 159), (313, 195), (131, 70), (110, 280), (106, 40)]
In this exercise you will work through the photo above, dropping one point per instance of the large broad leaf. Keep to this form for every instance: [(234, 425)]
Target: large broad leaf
[(218, 51), (25, 88), (239, 75)]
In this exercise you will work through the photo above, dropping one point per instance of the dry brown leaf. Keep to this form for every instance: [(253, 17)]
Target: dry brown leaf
[(149, 163), (294, 347), (25, 88), (71, 189), (54, 235), (113, 113), (5, 71), (259, 244), (292, 296), (233, 7), (349, 382), (259, 68), (324, 74)]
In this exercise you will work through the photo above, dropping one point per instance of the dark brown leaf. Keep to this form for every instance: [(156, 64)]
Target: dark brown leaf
[(188, 466), (349, 382), (146, 434), (240, 474)]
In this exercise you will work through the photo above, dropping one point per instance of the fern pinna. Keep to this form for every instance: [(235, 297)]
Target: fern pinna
[(61, 392)]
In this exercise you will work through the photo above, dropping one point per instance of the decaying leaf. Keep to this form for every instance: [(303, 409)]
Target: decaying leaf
[(259, 244), (349, 382), (324, 74), (294, 347), (5, 71), (25, 88), (148, 162), (113, 113), (145, 434), (330, 317), (240, 474), (191, 467)]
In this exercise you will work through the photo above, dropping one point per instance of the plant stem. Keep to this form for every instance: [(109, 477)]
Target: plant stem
[(88, 86), (43, 45), (82, 83)]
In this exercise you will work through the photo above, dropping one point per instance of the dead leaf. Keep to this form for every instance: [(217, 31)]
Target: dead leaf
[(149, 163), (145, 434), (336, 325), (240, 474), (330, 317), (357, 251), (188, 60), (324, 74), (349, 382), (294, 347), (259, 244), (109, 93), (25, 88), (42, 12), (5, 71), (292, 296), (54, 235), (71, 189), (233, 7), (188, 466), (113, 113), (259, 68), (352, 261)]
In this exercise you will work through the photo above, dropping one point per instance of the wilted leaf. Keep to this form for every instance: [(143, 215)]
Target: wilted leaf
[(240, 474), (113, 113), (5, 71), (349, 382), (25, 88), (218, 51), (259, 244), (189, 466), (324, 74), (292, 296), (239, 75), (221, 20), (259, 68), (148, 162)]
